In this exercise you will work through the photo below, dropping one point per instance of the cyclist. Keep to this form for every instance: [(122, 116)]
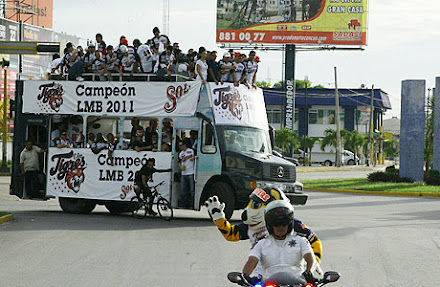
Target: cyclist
[(141, 178), (282, 251)]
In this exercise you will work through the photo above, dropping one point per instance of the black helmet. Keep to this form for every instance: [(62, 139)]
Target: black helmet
[(278, 213)]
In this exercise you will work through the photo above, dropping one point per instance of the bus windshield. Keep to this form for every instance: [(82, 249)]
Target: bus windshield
[(243, 139)]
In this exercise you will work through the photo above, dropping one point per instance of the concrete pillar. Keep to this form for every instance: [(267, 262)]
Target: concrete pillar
[(436, 158), (412, 129)]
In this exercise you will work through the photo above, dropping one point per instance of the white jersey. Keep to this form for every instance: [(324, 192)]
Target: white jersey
[(251, 69), (281, 255), (239, 71), (146, 58), (203, 70), (225, 73), (187, 159)]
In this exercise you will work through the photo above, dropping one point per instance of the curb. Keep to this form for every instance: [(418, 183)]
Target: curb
[(419, 194), (6, 218)]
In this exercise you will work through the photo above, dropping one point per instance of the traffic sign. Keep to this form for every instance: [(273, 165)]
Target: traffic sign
[(28, 48)]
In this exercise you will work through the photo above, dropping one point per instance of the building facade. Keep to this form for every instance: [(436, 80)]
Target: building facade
[(315, 109)]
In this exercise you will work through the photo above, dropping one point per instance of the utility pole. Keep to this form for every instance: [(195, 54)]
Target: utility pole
[(370, 135), (306, 111), (4, 166), (338, 123)]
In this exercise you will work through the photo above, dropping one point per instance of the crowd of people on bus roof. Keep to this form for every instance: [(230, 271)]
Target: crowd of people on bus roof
[(156, 56)]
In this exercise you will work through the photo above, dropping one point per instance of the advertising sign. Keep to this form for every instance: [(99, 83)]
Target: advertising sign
[(111, 98), (238, 106), (38, 13), (83, 174), (323, 22)]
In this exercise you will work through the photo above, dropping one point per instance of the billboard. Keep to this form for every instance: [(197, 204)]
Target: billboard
[(37, 13), (319, 22)]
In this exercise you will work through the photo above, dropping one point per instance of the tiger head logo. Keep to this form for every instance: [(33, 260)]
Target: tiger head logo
[(74, 179), (235, 106), (52, 94)]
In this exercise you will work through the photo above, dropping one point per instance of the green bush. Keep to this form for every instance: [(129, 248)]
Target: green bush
[(433, 177), (393, 176), (391, 169)]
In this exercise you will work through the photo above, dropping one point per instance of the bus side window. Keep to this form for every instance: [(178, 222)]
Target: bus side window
[(208, 140)]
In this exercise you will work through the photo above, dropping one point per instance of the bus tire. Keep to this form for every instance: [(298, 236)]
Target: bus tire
[(76, 205), (116, 207), (226, 195)]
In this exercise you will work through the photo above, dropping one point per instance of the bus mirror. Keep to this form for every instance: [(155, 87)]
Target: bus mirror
[(272, 136)]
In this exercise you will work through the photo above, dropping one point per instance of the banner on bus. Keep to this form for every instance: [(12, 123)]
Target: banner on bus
[(81, 173), (322, 22), (111, 98), (239, 106)]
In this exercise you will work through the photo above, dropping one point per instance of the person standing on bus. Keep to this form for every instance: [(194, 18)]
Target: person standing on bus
[(30, 168), (55, 135), (63, 141), (186, 164)]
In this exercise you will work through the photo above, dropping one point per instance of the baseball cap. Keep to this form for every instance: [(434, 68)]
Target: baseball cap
[(227, 55), (237, 54), (64, 133), (124, 41), (257, 59)]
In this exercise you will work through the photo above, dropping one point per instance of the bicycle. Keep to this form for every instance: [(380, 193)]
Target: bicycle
[(139, 204)]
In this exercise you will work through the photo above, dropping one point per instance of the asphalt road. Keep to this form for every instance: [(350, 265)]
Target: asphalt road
[(370, 240)]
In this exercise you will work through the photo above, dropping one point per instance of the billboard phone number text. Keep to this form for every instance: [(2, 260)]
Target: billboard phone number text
[(242, 36)]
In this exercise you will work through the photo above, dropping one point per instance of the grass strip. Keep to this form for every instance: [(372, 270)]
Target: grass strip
[(2, 213), (365, 185)]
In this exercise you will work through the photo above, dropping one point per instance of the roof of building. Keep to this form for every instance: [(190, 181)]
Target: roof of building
[(326, 97)]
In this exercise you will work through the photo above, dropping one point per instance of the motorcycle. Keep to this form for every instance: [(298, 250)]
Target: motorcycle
[(280, 280)]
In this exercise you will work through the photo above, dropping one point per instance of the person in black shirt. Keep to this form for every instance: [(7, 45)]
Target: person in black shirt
[(135, 128), (144, 175), (213, 68)]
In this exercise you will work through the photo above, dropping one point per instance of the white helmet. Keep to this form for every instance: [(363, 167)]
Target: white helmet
[(123, 49), (279, 212)]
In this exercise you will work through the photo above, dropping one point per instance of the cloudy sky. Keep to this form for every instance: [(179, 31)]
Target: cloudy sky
[(403, 39)]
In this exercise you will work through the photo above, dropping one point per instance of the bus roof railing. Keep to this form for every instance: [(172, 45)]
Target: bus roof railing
[(148, 77)]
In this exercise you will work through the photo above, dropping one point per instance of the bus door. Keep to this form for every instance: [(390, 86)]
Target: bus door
[(184, 129), (209, 163), (36, 129)]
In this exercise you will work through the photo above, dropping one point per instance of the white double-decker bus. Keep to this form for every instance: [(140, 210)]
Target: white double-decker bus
[(226, 124)]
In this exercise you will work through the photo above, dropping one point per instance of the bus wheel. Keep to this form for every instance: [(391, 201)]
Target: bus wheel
[(225, 194), (116, 207), (76, 205)]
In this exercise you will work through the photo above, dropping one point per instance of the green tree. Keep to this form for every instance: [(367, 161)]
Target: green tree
[(263, 84), (279, 84), (329, 139), (308, 143), (353, 141), (285, 137)]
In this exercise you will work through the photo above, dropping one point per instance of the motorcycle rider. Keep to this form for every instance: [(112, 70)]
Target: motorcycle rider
[(281, 253), (253, 226)]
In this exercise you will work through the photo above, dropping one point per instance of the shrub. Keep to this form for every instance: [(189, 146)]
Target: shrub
[(393, 176), (391, 169), (433, 177)]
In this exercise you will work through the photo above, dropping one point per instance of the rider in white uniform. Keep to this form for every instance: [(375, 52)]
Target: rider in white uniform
[(282, 252)]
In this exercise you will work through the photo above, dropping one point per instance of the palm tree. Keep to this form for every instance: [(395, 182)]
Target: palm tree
[(284, 138), (329, 139), (353, 141), (308, 143)]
